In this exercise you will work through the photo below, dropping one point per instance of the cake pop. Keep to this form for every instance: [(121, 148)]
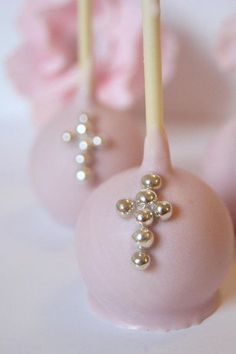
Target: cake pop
[(83, 146), (154, 242), (219, 168)]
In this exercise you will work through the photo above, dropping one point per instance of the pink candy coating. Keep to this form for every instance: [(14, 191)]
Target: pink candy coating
[(53, 167), (219, 168), (189, 260)]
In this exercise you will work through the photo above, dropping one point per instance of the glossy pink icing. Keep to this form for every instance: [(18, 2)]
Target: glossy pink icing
[(219, 167), (53, 165), (189, 259)]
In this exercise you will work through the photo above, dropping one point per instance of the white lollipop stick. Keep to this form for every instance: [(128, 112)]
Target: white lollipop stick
[(85, 52), (152, 65)]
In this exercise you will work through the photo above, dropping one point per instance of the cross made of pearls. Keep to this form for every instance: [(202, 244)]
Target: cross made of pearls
[(146, 208), (87, 141)]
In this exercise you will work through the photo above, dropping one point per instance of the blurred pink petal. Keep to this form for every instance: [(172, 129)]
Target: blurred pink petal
[(44, 67), (226, 50)]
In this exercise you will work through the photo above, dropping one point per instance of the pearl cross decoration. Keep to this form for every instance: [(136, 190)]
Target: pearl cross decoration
[(87, 141), (146, 208)]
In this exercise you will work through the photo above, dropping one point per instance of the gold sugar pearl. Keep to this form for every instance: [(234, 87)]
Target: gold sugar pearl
[(146, 196), (125, 207), (141, 260), (144, 217), (152, 181), (164, 210), (144, 238)]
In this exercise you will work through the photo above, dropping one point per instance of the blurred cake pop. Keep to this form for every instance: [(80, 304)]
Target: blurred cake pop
[(219, 168), (45, 70), (85, 144), (154, 242), (57, 167)]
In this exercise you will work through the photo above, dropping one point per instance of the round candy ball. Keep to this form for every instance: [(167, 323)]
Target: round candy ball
[(219, 168), (188, 259), (55, 164)]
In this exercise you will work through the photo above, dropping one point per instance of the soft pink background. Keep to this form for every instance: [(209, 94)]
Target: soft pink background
[(42, 307)]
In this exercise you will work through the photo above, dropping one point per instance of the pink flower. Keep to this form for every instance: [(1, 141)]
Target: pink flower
[(226, 49), (44, 67)]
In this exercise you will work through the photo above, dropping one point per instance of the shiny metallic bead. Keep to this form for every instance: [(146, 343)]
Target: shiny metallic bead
[(67, 137), (164, 210), (83, 174), (97, 141), (141, 260), (84, 158), (143, 238), (125, 207), (83, 118), (144, 217), (151, 181), (82, 128), (146, 196), (84, 144)]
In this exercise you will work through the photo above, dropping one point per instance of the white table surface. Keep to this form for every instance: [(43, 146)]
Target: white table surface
[(43, 308)]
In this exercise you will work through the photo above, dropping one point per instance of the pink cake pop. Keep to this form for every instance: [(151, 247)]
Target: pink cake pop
[(169, 211), (55, 164), (219, 168), (96, 140)]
